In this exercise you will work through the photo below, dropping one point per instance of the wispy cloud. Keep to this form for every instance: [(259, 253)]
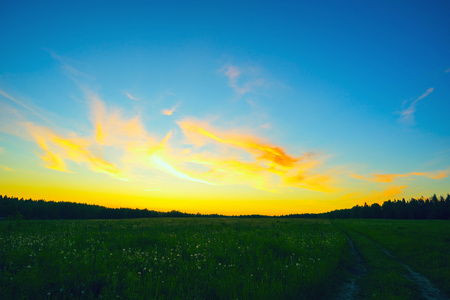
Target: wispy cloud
[(7, 168), (407, 114), (267, 125), (386, 178), (388, 193), (166, 167), (169, 112), (130, 96), (447, 71), (135, 148), (163, 96), (123, 148), (240, 87), (246, 159), (23, 105), (72, 68), (58, 149), (374, 196)]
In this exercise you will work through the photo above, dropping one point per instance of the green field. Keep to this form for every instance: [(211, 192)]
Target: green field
[(230, 258)]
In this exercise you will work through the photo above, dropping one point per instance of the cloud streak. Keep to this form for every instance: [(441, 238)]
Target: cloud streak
[(129, 96), (28, 108), (58, 149), (7, 168), (387, 178), (169, 112), (407, 114), (388, 193), (234, 73)]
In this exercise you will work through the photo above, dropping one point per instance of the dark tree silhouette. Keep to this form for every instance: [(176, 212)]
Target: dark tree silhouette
[(422, 208)]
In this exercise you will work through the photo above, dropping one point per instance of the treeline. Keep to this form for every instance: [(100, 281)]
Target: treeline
[(422, 208), (11, 207)]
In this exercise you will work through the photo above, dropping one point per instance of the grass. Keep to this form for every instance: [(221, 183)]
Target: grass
[(424, 245), (202, 258), (170, 258), (385, 277)]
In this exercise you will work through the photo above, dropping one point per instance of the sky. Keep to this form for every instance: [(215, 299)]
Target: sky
[(234, 107)]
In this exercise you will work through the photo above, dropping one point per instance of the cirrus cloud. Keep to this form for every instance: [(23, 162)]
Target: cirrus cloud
[(409, 108)]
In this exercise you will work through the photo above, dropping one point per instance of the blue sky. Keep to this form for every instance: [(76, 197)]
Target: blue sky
[(348, 89)]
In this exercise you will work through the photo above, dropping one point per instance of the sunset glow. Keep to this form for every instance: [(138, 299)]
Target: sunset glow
[(185, 109)]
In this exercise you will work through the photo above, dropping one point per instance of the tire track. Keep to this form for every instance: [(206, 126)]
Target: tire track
[(429, 291), (358, 269)]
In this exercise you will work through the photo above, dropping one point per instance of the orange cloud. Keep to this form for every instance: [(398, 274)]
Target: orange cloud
[(386, 178), (246, 159), (229, 170), (53, 161), (359, 198), (266, 152), (58, 149), (111, 129), (389, 193), (119, 146), (166, 167)]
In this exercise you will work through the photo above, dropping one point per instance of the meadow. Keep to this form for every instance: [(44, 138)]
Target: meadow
[(421, 245), (220, 258)]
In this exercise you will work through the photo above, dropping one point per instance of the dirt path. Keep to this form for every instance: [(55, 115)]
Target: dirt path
[(349, 289), (428, 290)]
